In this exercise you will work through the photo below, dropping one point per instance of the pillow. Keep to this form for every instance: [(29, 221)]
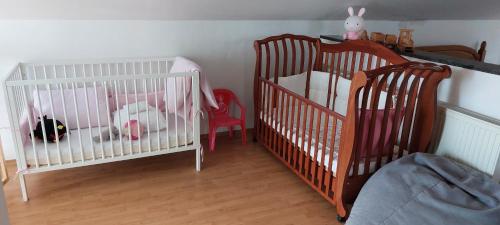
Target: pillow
[(122, 116), (67, 101), (377, 132), (294, 83), (146, 97)]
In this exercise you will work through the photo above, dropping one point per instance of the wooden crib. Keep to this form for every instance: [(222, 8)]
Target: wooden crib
[(389, 112)]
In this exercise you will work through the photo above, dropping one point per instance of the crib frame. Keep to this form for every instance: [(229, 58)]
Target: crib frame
[(279, 56), (117, 76)]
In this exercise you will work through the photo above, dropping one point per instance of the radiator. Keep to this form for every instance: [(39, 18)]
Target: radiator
[(470, 138)]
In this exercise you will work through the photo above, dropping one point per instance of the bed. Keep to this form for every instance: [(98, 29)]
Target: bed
[(334, 114), (427, 189)]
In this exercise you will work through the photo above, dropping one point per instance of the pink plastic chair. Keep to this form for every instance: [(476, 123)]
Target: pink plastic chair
[(221, 117)]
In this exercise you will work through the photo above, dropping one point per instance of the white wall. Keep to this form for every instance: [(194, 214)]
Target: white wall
[(464, 32), (224, 49)]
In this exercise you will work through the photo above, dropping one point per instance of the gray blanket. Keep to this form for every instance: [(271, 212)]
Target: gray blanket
[(427, 189)]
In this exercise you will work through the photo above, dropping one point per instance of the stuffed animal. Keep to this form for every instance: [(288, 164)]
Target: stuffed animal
[(133, 129), (354, 25), (50, 130)]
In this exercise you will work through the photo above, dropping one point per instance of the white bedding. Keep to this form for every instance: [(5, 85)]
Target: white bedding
[(108, 147), (291, 134)]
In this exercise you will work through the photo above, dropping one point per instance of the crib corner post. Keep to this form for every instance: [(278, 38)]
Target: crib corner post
[(196, 120), (22, 185), (198, 159), (348, 139)]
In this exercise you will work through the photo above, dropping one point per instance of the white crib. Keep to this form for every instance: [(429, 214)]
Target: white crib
[(88, 97)]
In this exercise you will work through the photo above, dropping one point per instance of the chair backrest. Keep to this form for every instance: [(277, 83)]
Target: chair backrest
[(224, 97)]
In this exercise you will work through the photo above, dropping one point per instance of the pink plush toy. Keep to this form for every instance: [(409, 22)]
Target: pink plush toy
[(133, 129), (354, 25)]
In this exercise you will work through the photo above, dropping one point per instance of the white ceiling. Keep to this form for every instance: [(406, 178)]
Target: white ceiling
[(247, 9)]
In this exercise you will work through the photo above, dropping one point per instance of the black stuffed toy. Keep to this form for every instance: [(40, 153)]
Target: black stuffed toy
[(49, 129)]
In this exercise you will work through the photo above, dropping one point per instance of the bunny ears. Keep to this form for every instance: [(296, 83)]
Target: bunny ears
[(360, 13)]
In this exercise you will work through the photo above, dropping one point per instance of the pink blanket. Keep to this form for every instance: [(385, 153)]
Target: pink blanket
[(182, 65)]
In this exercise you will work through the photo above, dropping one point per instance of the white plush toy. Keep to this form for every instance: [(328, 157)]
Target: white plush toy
[(354, 25)]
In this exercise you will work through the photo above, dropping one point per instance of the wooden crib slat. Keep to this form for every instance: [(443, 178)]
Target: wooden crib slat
[(286, 152), (303, 133), (353, 64), (321, 173), (276, 62), (285, 57), (275, 120), (310, 143), (268, 61), (330, 181), (294, 55), (302, 56), (309, 69), (296, 147), (281, 125), (289, 135), (316, 145), (263, 111)]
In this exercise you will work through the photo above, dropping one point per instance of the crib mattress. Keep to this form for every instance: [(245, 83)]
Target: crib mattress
[(291, 135), (71, 150)]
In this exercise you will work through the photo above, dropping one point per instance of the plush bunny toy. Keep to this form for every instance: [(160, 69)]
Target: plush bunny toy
[(354, 24)]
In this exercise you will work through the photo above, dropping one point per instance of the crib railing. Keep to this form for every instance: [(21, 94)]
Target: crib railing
[(88, 98), (301, 133)]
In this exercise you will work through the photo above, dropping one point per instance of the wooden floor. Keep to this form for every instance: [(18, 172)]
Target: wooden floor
[(237, 185)]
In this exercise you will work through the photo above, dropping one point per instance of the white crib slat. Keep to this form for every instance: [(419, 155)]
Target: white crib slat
[(128, 118), (119, 116), (147, 113), (185, 111), (108, 111), (165, 96), (54, 123), (41, 120), (76, 116), (136, 105), (157, 114), (88, 112), (30, 124), (98, 113), (175, 113), (138, 115), (61, 87)]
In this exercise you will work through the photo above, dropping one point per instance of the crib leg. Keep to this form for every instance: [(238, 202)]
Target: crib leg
[(22, 183), (198, 159)]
